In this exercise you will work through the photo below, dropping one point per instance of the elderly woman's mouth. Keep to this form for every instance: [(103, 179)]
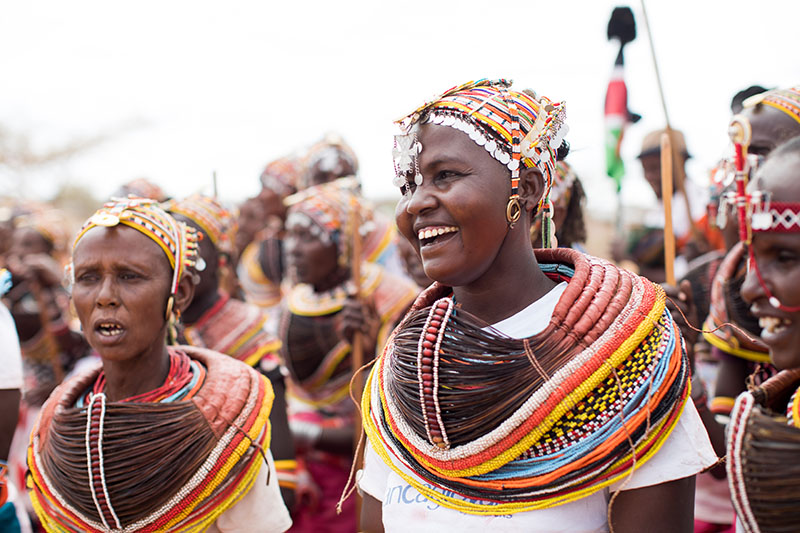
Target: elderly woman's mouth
[(110, 329)]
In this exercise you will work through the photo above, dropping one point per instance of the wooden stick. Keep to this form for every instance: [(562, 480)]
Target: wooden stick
[(692, 225), (666, 198), (357, 348)]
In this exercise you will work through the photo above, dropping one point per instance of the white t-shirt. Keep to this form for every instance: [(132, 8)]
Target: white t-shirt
[(10, 356), (261, 510), (686, 452)]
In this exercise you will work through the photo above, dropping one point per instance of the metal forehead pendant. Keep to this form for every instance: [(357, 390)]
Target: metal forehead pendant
[(406, 149), (403, 152)]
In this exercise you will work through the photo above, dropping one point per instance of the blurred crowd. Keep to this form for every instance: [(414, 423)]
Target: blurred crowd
[(305, 282)]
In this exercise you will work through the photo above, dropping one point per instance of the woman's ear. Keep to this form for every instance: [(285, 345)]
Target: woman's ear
[(531, 188), (185, 293)]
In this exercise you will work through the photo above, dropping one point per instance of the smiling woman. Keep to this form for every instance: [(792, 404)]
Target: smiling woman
[(525, 390), (763, 438), (183, 425)]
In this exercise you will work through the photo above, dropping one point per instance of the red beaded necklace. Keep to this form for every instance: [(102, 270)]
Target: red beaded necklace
[(180, 374)]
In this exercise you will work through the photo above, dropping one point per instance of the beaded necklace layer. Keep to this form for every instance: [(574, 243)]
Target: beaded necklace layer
[(494, 425), (762, 448), (147, 465)]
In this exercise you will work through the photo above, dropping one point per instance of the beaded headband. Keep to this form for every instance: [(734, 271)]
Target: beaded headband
[(329, 207), (513, 127), (282, 176), (774, 217), (213, 218), (786, 100), (328, 149), (178, 240)]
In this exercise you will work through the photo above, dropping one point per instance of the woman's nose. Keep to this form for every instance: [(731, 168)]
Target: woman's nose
[(421, 199), (751, 289), (107, 296)]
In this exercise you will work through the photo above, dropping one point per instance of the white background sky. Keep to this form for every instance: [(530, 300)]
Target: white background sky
[(188, 88)]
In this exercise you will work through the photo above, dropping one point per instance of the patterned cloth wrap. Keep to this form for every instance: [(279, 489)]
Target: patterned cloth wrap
[(230, 411), (726, 338), (602, 413), (234, 328)]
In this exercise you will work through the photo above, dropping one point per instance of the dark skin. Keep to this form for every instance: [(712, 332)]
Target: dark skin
[(206, 290), (123, 277), (778, 258), (206, 294), (316, 263), (9, 413), (770, 127), (466, 188), (251, 220)]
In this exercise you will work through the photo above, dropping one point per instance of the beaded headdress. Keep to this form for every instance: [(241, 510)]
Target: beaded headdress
[(513, 127), (786, 100), (176, 239), (327, 209), (282, 176), (327, 151), (141, 188), (47, 222), (214, 219), (756, 211)]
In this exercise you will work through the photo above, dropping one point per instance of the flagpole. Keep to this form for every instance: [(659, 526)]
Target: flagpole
[(680, 183)]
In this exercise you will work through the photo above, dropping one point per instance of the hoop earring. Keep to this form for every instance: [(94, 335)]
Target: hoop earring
[(513, 211), (170, 304)]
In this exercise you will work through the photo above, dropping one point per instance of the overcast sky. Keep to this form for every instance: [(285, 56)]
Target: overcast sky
[(182, 89)]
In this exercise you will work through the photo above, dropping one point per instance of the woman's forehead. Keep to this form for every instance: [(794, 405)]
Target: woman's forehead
[(125, 244), (780, 176)]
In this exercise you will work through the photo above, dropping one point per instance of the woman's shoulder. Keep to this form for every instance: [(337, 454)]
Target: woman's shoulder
[(231, 388)]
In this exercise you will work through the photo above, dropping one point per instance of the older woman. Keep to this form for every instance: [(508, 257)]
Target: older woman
[(523, 391), (158, 437), (216, 321), (764, 431)]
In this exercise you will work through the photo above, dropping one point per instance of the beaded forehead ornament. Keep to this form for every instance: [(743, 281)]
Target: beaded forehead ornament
[(786, 100), (214, 219), (178, 240), (282, 176), (756, 212), (326, 211), (513, 127)]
